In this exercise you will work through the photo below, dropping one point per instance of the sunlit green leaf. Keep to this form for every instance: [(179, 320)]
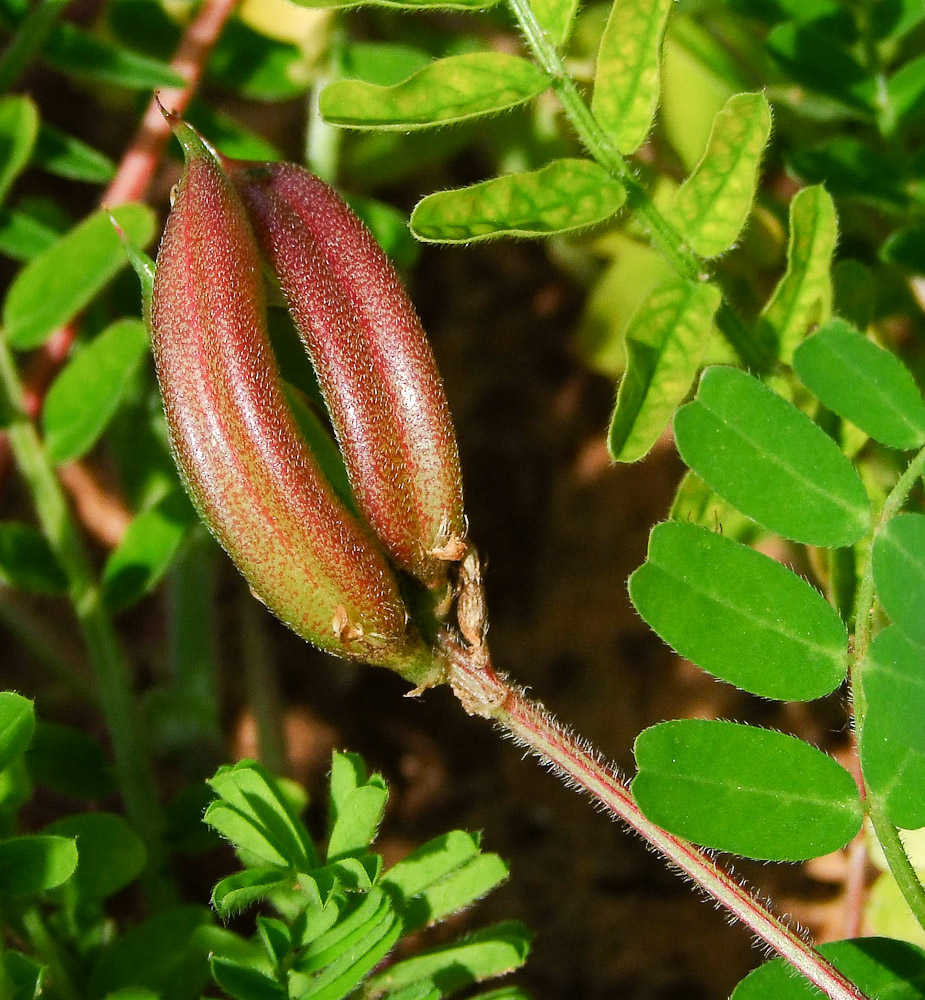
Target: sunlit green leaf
[(147, 550), (490, 952), (34, 864), (430, 863), (449, 90), (626, 85), (765, 457), (62, 154), (665, 345), (19, 124), (53, 287), (401, 4), (17, 724), (461, 888), (243, 889), (244, 982), (899, 572), (27, 561), (89, 389), (778, 637), (803, 297), (892, 740), (562, 196), (555, 17), (863, 383), (881, 967), (754, 792), (711, 206), (905, 91)]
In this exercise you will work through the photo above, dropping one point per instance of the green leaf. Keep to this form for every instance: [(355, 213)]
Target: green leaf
[(892, 740), (259, 68), (819, 61), (357, 821), (243, 889), (556, 18), (666, 341), (626, 82), (424, 990), (850, 168), (24, 973), (110, 854), (53, 287), (244, 982), (430, 863), (449, 90), (695, 503), (66, 156), (88, 391), (754, 792), (74, 51), (778, 637), (33, 864), (493, 951), (147, 550), (558, 198), (899, 572), (69, 761), (862, 383), (803, 297), (765, 457), (880, 967), (905, 248), (17, 725), (711, 206), (905, 91), (19, 124), (256, 817), (462, 887), (276, 938), (27, 561), (23, 235), (400, 4)]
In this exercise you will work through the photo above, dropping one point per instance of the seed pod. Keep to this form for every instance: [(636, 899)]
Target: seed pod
[(240, 454), (373, 363)]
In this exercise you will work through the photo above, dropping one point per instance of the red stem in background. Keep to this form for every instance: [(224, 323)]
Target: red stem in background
[(131, 182), (484, 692)]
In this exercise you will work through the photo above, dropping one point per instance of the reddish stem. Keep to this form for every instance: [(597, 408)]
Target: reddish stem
[(484, 692)]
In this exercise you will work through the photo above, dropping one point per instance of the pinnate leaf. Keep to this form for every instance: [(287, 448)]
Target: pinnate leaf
[(711, 206), (461, 888), (33, 864), (19, 125), (803, 297), (666, 341), (765, 457), (449, 90), (778, 637), (627, 78), (17, 724), (560, 197), (754, 792), (430, 863), (899, 572), (88, 391), (880, 967), (53, 287), (892, 740), (863, 383)]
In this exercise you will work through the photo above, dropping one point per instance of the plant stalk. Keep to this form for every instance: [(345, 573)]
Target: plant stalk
[(113, 677), (484, 692)]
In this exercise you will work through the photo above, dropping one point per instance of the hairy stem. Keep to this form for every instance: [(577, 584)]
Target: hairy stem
[(484, 692), (113, 678)]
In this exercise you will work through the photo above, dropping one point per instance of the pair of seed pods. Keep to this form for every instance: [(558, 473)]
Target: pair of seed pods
[(327, 573)]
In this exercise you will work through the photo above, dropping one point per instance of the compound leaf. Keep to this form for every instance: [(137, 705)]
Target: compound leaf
[(562, 196), (449, 90), (863, 383), (754, 792), (626, 85), (778, 637), (711, 206), (666, 341), (765, 457)]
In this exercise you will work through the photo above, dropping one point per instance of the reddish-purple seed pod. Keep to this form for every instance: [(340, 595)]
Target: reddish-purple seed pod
[(240, 454), (373, 362)]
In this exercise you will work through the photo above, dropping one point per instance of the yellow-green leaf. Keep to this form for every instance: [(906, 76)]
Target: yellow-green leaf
[(626, 86), (448, 90), (563, 195), (19, 125), (711, 206)]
